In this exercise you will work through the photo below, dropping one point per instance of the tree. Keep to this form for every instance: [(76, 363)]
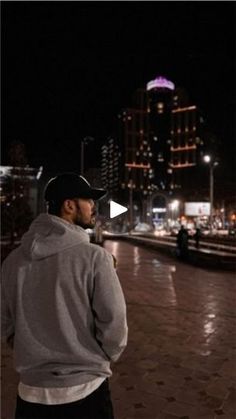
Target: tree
[(15, 209)]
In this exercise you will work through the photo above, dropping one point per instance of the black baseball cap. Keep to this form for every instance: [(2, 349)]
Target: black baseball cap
[(70, 186)]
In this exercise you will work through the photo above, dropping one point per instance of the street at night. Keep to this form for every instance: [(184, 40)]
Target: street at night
[(180, 358), (118, 120)]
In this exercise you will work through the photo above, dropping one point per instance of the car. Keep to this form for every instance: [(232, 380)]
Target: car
[(143, 228)]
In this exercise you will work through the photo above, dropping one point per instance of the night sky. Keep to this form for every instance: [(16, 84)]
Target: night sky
[(68, 68)]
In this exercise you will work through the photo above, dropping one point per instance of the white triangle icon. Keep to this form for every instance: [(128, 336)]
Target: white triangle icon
[(116, 209)]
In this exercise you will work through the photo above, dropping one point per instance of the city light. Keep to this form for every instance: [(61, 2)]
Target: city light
[(188, 108), (174, 205), (160, 82), (207, 158), (187, 147), (138, 166), (181, 165)]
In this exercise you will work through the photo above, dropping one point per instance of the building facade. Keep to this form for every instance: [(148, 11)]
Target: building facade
[(19, 199), (157, 143)]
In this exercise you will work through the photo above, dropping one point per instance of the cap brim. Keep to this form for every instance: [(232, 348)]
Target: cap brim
[(96, 193)]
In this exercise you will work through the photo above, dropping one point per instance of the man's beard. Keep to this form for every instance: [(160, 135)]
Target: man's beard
[(79, 222)]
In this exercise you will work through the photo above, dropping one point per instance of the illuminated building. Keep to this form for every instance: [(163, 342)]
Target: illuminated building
[(160, 104), (136, 151), (110, 166), (173, 136), (20, 197), (159, 142), (184, 145)]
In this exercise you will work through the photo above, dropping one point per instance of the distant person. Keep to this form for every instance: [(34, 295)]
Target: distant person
[(182, 243), (197, 236), (63, 309)]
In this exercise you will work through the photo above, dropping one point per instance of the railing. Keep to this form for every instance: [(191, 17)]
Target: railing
[(204, 246)]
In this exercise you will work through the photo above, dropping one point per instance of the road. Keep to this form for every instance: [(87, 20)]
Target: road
[(180, 358)]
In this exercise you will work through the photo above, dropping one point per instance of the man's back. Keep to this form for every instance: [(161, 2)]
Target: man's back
[(64, 304)]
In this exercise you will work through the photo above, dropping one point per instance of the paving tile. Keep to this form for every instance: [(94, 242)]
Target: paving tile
[(218, 388)]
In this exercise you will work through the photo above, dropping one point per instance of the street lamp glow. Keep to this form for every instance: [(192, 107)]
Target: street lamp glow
[(207, 158), (174, 205), (212, 164)]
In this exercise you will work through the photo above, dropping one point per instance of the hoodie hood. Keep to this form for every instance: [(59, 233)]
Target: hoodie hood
[(49, 234)]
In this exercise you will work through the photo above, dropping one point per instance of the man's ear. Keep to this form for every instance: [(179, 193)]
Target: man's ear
[(68, 206)]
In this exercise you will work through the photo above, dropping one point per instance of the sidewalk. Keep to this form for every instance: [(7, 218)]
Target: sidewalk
[(206, 256), (181, 353), (180, 360)]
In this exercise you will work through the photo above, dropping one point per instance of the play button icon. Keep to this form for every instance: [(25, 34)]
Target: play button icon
[(116, 209)]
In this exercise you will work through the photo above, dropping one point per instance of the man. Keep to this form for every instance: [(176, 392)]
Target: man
[(182, 242), (63, 309), (197, 236)]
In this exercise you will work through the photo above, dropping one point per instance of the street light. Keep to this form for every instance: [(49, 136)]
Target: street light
[(174, 206), (212, 164), (131, 209), (84, 142)]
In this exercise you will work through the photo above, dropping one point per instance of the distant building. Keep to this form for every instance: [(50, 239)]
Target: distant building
[(161, 131), (20, 198), (111, 166), (185, 146), (155, 152), (174, 127), (160, 104), (158, 139), (136, 150)]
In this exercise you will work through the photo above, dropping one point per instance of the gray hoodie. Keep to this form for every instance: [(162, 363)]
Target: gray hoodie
[(62, 301)]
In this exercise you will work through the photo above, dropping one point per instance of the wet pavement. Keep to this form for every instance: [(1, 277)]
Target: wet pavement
[(180, 361)]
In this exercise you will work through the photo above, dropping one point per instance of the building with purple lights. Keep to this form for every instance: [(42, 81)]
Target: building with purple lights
[(159, 142), (160, 83), (160, 104)]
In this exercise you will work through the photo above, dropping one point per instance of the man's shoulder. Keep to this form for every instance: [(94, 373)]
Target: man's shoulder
[(90, 248), (98, 250), (12, 254)]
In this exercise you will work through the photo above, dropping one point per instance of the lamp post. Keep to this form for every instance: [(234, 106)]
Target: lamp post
[(84, 142), (131, 215), (212, 164), (174, 208)]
